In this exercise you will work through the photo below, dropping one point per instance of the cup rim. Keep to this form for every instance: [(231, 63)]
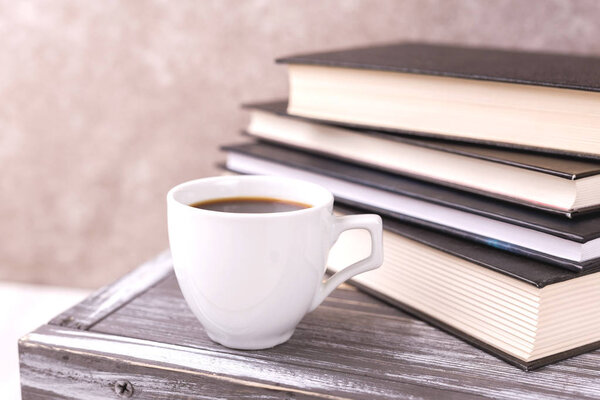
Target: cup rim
[(172, 200)]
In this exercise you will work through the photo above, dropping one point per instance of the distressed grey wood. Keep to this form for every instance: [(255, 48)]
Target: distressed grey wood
[(232, 371), (73, 375), (107, 299), (353, 346)]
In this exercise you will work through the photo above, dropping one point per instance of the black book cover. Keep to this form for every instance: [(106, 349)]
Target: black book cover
[(501, 65), (578, 230), (565, 167), (527, 270)]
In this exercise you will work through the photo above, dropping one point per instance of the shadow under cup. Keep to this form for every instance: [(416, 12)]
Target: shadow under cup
[(249, 277)]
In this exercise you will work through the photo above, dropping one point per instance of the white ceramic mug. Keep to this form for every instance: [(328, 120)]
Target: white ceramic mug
[(250, 278)]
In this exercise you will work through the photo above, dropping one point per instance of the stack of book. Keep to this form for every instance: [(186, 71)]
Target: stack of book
[(485, 165)]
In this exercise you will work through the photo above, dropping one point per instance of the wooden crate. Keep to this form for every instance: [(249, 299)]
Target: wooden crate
[(137, 339)]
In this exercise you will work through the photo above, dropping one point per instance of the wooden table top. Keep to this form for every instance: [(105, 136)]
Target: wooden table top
[(140, 331)]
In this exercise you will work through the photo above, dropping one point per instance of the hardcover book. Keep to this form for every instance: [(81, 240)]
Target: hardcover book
[(526, 312), (562, 185), (541, 101)]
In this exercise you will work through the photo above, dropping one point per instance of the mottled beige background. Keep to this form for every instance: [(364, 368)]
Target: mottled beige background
[(105, 105)]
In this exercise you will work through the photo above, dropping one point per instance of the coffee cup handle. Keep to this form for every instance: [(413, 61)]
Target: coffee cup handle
[(371, 223)]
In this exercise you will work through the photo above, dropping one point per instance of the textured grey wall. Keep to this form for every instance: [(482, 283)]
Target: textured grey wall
[(105, 105)]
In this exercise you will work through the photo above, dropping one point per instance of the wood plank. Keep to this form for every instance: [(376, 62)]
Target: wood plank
[(87, 365), (353, 336), (109, 298), (77, 375)]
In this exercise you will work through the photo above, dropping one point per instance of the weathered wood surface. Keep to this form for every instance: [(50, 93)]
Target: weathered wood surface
[(55, 372), (352, 346), (109, 298), (183, 364)]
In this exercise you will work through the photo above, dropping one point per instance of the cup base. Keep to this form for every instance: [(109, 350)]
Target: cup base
[(247, 343)]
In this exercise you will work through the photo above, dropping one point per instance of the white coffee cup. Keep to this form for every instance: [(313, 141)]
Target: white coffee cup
[(251, 277)]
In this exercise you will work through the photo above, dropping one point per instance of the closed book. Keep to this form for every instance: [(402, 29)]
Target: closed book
[(569, 243), (527, 313), (562, 185), (541, 101)]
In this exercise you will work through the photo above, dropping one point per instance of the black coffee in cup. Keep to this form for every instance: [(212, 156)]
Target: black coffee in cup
[(250, 205)]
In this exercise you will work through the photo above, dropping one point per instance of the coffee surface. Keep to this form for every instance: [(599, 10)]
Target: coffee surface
[(250, 205)]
